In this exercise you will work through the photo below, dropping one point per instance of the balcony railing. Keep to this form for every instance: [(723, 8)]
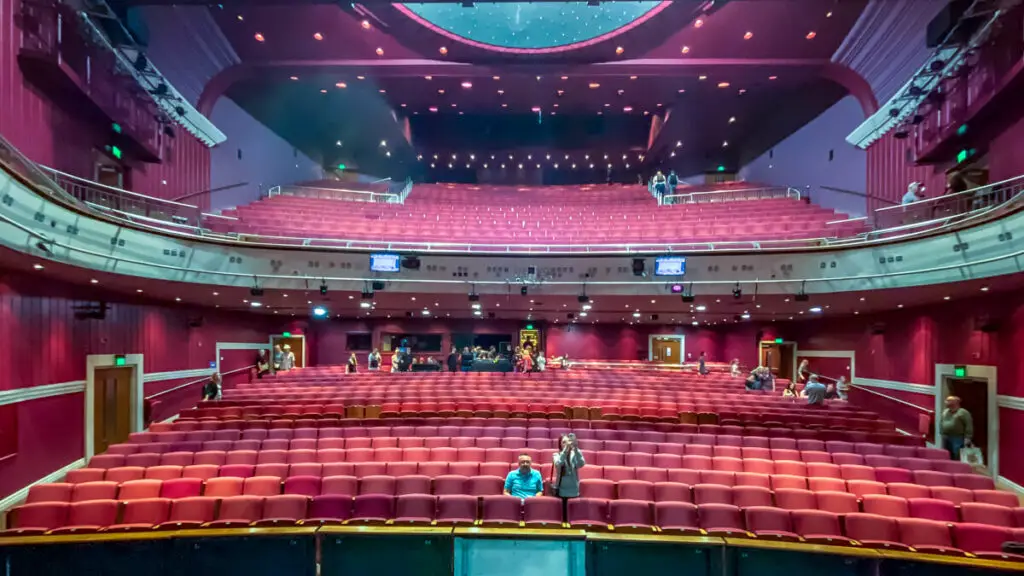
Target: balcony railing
[(346, 194), (763, 193), (896, 222)]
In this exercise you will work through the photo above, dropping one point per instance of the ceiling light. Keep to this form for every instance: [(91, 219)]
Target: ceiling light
[(425, 312), (139, 290), (255, 304), (748, 35), (619, 50), (177, 299), (360, 77), (323, 91), (259, 37), (594, 85), (293, 77), (816, 310), (495, 77), (477, 313), (364, 304), (702, 77), (984, 288), (318, 36), (723, 84), (443, 50), (365, 24), (685, 50), (37, 266), (441, 91), (698, 22), (811, 35), (319, 311), (725, 144), (636, 314), (732, 119), (828, 14), (341, 85), (379, 51), (773, 77), (94, 281), (627, 108), (240, 18)]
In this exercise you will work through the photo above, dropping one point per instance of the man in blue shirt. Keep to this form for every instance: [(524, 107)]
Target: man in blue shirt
[(525, 482), (815, 392)]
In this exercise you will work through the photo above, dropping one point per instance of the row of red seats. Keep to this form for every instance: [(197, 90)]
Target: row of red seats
[(896, 482), (816, 526), (764, 461)]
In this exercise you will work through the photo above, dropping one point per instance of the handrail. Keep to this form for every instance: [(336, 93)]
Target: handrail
[(391, 198), (211, 191), (893, 399), (204, 379), (759, 193), (92, 184), (864, 195)]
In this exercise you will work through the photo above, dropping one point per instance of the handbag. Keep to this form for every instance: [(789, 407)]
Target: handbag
[(972, 455)]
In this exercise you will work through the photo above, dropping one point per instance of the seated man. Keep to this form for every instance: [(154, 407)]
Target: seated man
[(524, 482), (814, 391)]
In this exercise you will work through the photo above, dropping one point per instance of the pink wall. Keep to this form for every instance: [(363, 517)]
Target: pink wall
[(42, 343), (625, 342), (1006, 153), (48, 134)]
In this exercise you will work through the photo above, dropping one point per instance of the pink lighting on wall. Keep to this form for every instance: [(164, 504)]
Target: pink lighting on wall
[(811, 35), (259, 37), (318, 36), (698, 22), (380, 51), (748, 35)]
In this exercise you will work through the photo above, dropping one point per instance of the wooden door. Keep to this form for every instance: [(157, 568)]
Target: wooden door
[(770, 356), (666, 350), (112, 407)]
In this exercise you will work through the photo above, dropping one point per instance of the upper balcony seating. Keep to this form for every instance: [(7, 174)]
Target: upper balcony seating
[(544, 215)]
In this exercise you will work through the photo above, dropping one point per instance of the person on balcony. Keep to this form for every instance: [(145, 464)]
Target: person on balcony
[(673, 181), (660, 184), (915, 192)]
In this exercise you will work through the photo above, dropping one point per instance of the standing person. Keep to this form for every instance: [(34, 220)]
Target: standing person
[(212, 389), (278, 357), (957, 427), (288, 358), (466, 363), (453, 360), (802, 372), (373, 361), (565, 476), (701, 367), (673, 181), (660, 185), (843, 388), (915, 192), (262, 363), (734, 368), (352, 363), (542, 363)]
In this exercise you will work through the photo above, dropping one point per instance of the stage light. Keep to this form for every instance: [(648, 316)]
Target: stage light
[(319, 311)]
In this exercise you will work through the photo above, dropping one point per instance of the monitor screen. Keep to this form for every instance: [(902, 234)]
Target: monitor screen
[(384, 262), (669, 266)]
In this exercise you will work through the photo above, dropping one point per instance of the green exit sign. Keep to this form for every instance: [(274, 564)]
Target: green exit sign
[(778, 340), (119, 360), (960, 371), (286, 334)]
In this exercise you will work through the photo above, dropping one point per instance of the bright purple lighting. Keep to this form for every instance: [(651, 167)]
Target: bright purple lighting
[(677, 288)]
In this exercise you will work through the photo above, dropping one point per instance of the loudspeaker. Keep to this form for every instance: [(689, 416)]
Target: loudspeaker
[(986, 324), (195, 322), (941, 27), (638, 266), (378, 285), (878, 328), (411, 263), (654, 316)]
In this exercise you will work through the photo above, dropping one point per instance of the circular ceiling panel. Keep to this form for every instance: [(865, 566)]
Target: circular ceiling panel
[(523, 27)]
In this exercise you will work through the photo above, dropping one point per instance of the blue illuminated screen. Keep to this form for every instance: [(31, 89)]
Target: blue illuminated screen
[(669, 266), (384, 262)]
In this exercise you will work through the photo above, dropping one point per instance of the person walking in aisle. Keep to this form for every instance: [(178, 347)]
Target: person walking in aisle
[(957, 427)]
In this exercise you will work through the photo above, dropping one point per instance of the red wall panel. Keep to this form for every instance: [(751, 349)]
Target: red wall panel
[(48, 134), (1006, 154), (891, 169), (42, 343)]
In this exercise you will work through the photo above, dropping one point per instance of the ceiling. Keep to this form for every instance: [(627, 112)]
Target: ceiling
[(744, 72), (719, 310)]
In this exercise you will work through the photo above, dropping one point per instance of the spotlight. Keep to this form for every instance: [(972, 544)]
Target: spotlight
[(636, 314), (255, 304), (256, 291), (475, 306), (583, 299), (737, 293), (179, 110), (745, 316), (160, 90), (474, 297), (319, 311), (587, 307), (801, 297), (701, 308), (377, 285), (816, 310), (524, 291), (365, 304), (323, 288)]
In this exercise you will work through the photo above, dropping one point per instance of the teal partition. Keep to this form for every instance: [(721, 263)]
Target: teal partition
[(633, 554), (515, 552), (386, 551)]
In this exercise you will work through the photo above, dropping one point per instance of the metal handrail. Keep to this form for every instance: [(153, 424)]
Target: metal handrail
[(894, 399), (761, 193), (339, 194)]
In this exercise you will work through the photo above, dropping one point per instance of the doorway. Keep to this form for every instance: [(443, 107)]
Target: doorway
[(111, 406), (298, 346), (666, 348), (779, 358), (973, 394)]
